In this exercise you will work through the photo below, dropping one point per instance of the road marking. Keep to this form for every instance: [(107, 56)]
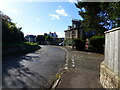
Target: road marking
[(66, 68), (73, 62), (73, 65)]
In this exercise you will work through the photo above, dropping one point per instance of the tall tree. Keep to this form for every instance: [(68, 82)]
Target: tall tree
[(98, 16), (112, 10)]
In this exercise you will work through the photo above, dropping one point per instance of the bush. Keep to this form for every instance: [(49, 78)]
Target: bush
[(10, 32), (19, 48), (97, 43), (79, 44), (68, 42)]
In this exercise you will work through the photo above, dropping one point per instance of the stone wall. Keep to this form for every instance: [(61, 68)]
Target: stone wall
[(110, 70)]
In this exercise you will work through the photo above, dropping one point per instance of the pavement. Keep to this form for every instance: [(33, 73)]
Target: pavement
[(82, 70), (33, 70)]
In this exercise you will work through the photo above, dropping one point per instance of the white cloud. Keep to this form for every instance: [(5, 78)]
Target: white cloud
[(38, 19), (61, 12), (59, 6), (54, 16), (14, 10)]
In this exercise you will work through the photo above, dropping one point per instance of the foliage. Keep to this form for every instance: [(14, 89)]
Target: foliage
[(49, 39), (30, 43), (89, 11), (59, 40), (79, 44), (68, 42), (112, 10), (45, 39), (13, 49), (40, 39), (99, 16), (97, 43), (10, 32)]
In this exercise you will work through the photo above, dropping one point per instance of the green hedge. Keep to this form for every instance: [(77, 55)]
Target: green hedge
[(97, 43), (68, 42), (14, 49), (79, 44)]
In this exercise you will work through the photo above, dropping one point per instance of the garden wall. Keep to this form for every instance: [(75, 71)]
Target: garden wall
[(110, 67)]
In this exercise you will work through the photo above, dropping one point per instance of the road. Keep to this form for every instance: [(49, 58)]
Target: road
[(33, 70)]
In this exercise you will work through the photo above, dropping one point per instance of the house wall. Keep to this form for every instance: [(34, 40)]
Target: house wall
[(71, 34), (32, 39), (110, 67)]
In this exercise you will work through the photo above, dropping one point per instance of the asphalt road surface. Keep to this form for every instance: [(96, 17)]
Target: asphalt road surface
[(33, 70)]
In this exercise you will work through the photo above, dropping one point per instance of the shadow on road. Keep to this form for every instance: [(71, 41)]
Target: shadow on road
[(16, 69)]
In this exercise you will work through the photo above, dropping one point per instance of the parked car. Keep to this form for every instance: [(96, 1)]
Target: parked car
[(60, 44)]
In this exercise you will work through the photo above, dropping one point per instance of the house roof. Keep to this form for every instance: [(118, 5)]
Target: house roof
[(30, 36)]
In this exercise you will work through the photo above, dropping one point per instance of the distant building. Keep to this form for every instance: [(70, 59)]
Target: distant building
[(74, 31), (30, 38), (54, 35)]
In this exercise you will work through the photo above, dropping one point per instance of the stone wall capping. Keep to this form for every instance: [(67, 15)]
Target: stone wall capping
[(114, 29)]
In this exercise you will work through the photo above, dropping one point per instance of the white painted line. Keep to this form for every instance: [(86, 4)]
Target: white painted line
[(73, 65), (66, 68), (67, 59), (73, 60), (66, 64)]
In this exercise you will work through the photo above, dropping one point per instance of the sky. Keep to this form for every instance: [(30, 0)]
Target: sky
[(37, 18)]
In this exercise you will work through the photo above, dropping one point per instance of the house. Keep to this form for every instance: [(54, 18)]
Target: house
[(54, 35), (74, 31), (31, 38)]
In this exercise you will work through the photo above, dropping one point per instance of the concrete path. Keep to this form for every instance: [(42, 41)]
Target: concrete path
[(83, 70), (33, 70)]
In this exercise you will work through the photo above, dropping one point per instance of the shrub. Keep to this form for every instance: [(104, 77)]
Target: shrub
[(68, 42), (79, 44), (10, 32), (19, 48), (97, 43)]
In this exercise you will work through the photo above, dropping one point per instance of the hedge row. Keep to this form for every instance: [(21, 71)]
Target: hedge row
[(68, 42), (78, 44), (97, 43), (19, 49)]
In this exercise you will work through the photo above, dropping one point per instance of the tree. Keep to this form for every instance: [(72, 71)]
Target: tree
[(89, 11), (49, 39), (40, 39), (112, 10), (99, 15), (10, 32)]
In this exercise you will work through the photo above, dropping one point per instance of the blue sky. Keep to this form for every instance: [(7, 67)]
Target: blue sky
[(41, 17)]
